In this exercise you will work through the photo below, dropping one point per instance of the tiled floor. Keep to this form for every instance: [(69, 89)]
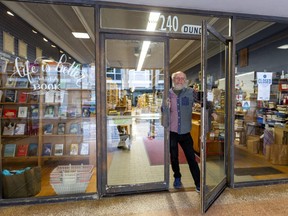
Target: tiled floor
[(250, 201)]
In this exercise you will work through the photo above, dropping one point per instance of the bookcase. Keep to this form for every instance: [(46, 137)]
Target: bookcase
[(47, 116)]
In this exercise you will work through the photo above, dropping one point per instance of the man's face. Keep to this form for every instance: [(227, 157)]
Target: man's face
[(179, 81)]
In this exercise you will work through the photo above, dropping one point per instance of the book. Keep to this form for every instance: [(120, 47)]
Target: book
[(59, 97), (1, 94), (49, 97), (74, 128), (22, 150), (61, 128), (33, 149), (34, 127), (10, 95), (47, 149), (58, 149), (74, 149), (9, 150), (49, 111), (84, 149), (21, 82), (11, 82), (34, 111), (48, 129), (9, 128), (62, 111), (85, 111), (9, 113), (22, 97), (22, 112), (20, 129), (33, 98)]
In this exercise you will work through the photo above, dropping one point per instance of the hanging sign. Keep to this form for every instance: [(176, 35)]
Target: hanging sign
[(264, 81)]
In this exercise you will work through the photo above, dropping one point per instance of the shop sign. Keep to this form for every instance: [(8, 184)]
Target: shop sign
[(39, 83), (264, 81), (191, 29)]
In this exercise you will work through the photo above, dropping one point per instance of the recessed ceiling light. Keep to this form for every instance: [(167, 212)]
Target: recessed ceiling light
[(35, 32), (10, 13), (81, 35), (61, 51), (285, 46), (45, 39), (53, 46)]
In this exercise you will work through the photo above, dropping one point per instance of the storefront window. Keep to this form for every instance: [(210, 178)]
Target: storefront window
[(48, 110), (261, 109)]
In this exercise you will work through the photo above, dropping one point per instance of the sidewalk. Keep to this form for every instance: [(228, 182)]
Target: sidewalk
[(261, 200)]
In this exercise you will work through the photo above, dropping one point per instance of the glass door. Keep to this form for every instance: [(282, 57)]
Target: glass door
[(214, 49), (136, 141)]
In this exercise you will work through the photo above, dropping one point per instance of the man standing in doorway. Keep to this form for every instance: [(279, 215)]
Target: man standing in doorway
[(180, 103)]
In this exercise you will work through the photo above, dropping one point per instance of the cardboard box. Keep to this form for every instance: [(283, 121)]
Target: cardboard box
[(279, 154), (278, 135), (253, 143)]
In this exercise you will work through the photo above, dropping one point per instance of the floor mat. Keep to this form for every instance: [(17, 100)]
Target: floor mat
[(256, 171)]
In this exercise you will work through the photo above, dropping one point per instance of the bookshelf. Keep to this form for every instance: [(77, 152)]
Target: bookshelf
[(63, 115)]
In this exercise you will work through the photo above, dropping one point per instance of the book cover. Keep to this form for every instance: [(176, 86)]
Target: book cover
[(11, 82), (22, 112), (10, 95), (34, 127), (59, 97), (20, 129), (34, 111), (85, 111), (48, 129), (84, 150), (74, 149), (33, 98), (62, 111), (21, 82), (33, 149), (47, 149), (49, 97), (61, 128), (22, 150), (49, 111), (9, 113), (9, 128), (22, 97), (9, 150), (74, 128), (58, 149)]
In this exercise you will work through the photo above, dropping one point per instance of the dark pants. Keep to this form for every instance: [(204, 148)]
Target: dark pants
[(186, 143)]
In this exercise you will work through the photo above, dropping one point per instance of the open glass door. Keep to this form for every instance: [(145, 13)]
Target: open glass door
[(214, 49), (137, 148)]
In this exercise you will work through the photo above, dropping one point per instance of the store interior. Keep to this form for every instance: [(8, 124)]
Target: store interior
[(257, 156)]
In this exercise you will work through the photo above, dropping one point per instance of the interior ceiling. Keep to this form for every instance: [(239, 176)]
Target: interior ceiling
[(57, 22)]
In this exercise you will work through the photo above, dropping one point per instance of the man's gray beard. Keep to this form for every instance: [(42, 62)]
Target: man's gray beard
[(179, 87)]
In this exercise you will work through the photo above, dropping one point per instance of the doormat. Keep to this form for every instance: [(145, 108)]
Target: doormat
[(155, 152), (256, 171)]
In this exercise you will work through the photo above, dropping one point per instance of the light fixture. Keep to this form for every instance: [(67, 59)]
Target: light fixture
[(151, 26), (61, 51), (10, 13), (45, 39), (285, 46), (53, 46), (35, 32), (81, 35)]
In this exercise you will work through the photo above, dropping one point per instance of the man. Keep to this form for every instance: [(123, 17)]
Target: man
[(180, 102)]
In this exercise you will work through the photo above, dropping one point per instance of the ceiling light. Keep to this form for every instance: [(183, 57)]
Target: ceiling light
[(10, 13), (53, 46), (285, 46), (35, 32), (61, 51), (81, 35), (45, 39), (151, 26)]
